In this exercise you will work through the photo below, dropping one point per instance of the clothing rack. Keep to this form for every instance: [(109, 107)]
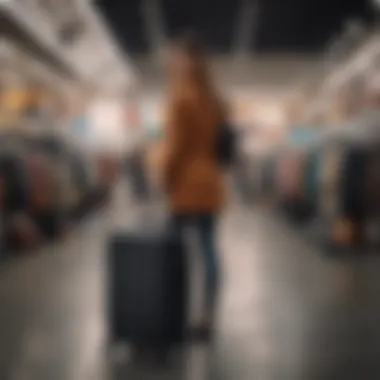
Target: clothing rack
[(303, 187)]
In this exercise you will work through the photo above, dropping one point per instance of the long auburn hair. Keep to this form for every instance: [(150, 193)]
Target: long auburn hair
[(197, 81)]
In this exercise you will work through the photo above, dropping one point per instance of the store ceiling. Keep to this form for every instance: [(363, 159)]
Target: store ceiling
[(277, 26), (16, 34)]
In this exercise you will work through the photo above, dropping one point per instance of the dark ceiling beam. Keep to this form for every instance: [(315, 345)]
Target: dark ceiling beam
[(246, 25), (13, 31), (154, 25)]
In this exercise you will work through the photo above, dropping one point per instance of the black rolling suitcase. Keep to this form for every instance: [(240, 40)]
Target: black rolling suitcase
[(147, 289)]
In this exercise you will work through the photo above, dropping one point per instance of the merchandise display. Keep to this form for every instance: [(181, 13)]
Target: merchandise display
[(325, 177), (331, 182), (46, 181), (49, 182)]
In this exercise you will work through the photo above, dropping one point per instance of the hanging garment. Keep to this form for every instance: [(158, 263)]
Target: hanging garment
[(352, 186), (42, 208), (291, 176), (312, 178), (80, 174), (349, 226), (330, 175), (372, 183), (15, 177), (282, 173), (372, 197), (321, 179), (268, 175), (16, 186)]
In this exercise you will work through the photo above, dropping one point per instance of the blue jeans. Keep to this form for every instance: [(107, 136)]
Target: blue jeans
[(205, 225)]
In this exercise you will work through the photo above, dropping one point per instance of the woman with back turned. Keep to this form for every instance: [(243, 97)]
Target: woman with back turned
[(192, 172)]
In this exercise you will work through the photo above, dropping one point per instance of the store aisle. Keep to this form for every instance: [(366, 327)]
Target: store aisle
[(290, 312), (287, 311), (52, 310)]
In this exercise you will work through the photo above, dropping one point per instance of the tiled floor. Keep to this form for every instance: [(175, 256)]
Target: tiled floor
[(287, 311)]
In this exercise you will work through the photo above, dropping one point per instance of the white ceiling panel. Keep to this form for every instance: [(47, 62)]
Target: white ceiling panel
[(95, 48)]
